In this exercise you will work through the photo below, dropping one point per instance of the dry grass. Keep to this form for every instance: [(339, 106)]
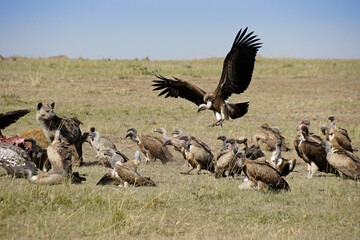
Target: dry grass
[(116, 95)]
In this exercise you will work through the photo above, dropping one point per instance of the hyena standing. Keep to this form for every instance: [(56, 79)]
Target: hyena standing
[(69, 128)]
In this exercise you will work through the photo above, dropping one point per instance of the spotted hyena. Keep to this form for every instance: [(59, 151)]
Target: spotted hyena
[(69, 128)]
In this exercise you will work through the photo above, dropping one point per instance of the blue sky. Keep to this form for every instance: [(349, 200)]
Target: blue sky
[(186, 29)]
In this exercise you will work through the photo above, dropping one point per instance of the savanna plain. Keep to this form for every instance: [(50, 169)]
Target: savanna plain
[(115, 95)]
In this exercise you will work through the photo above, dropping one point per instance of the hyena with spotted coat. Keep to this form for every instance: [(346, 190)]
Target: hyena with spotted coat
[(69, 128)]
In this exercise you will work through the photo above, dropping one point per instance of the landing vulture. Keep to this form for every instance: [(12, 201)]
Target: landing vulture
[(235, 78)]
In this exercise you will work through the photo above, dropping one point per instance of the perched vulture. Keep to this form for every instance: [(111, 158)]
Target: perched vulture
[(102, 144), (253, 151), (345, 162), (235, 78), (152, 147), (262, 175), (312, 136), (198, 155), (313, 153), (282, 165), (225, 160), (338, 137), (225, 141), (8, 118), (269, 136), (125, 173)]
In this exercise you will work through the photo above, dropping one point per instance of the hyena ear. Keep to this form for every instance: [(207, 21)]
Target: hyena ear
[(52, 105), (39, 106)]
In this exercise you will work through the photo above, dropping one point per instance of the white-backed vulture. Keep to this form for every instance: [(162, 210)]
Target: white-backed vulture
[(282, 165), (225, 144), (269, 136), (338, 137), (173, 140), (313, 153), (125, 173), (8, 118), (198, 155), (253, 151), (152, 147), (60, 156), (102, 144), (345, 162), (235, 78), (225, 160), (15, 160), (336, 127), (263, 175)]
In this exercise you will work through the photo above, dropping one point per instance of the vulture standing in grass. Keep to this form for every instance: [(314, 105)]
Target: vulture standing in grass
[(345, 162), (312, 136), (253, 151), (152, 147), (313, 153), (225, 142), (262, 175), (198, 155), (225, 160), (103, 144), (235, 78), (269, 136), (338, 137), (125, 173), (282, 165)]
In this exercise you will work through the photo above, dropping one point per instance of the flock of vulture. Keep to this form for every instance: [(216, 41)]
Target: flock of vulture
[(46, 156)]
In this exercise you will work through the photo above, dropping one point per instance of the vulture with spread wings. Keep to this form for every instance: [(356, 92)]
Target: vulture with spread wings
[(235, 78)]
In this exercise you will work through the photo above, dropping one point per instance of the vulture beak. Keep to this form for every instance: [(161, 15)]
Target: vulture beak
[(202, 107), (128, 134)]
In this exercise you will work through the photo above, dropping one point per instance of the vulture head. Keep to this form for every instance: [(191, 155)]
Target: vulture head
[(304, 131), (187, 141), (324, 129), (132, 133), (176, 133), (222, 138)]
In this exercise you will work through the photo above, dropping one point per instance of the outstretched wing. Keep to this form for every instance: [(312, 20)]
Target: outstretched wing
[(179, 88), (9, 118), (238, 65)]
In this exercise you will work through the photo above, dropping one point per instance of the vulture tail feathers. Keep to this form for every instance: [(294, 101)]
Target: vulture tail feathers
[(239, 110)]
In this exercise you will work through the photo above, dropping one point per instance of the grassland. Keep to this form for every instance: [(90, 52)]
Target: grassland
[(114, 95)]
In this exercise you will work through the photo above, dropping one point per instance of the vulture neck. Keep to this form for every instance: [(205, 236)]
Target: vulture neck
[(96, 140), (224, 144)]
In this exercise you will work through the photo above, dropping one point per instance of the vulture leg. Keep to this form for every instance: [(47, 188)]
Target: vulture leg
[(217, 123), (314, 169), (198, 167), (188, 172), (147, 159)]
